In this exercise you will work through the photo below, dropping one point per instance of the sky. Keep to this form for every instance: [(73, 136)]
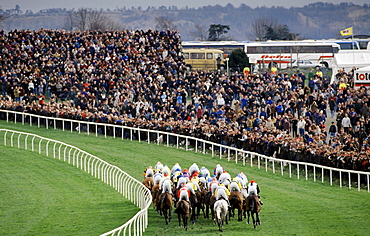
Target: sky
[(36, 5)]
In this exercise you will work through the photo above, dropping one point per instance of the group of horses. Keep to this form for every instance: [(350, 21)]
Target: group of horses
[(203, 200)]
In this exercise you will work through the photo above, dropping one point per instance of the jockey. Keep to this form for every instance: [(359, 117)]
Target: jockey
[(224, 176), (234, 185), (190, 187), (195, 181), (203, 181), (183, 193), (244, 179), (148, 172), (165, 184), (204, 172), (212, 186), (218, 170), (222, 191), (175, 168), (176, 175), (182, 180), (157, 178), (193, 168), (166, 170), (185, 174), (158, 167), (254, 189)]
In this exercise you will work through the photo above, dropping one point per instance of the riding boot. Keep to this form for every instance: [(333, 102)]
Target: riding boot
[(259, 198)]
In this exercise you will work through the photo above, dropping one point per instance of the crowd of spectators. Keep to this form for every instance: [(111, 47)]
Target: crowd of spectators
[(138, 78)]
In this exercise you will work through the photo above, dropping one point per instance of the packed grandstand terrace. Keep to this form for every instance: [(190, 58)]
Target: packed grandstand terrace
[(139, 78)]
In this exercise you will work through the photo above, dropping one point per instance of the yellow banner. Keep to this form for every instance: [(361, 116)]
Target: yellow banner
[(346, 32)]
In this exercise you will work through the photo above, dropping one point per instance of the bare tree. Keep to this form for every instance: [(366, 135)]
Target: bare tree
[(2, 17), (81, 19), (88, 19), (164, 23), (259, 27), (200, 33), (69, 21), (99, 21)]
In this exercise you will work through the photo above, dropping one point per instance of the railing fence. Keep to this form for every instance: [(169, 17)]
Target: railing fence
[(343, 177), (125, 184)]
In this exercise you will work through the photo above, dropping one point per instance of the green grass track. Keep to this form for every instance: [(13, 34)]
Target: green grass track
[(292, 206)]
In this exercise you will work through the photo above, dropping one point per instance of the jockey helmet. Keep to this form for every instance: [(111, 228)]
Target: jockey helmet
[(252, 181), (165, 175)]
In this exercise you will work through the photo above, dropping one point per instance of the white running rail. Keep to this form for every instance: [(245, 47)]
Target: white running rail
[(125, 184), (343, 177)]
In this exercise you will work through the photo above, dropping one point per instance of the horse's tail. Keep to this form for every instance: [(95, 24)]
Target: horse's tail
[(251, 203), (193, 198), (218, 213), (180, 207), (161, 200)]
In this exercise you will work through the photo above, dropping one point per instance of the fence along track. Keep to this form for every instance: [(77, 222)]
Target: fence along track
[(198, 145), (126, 185)]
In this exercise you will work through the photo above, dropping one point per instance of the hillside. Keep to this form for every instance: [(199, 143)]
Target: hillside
[(318, 20)]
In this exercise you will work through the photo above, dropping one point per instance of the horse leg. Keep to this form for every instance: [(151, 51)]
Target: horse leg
[(240, 214), (179, 218), (248, 212), (198, 210), (254, 221), (206, 216), (165, 216), (193, 215), (258, 218), (219, 224), (185, 220), (244, 211)]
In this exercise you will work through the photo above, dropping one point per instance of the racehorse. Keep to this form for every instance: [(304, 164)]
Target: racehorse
[(253, 208), (148, 182), (220, 213), (155, 194), (194, 203), (244, 192), (236, 201), (183, 212), (200, 203), (165, 206), (209, 200)]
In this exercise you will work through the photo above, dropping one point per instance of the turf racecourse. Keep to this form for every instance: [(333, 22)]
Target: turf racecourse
[(292, 207)]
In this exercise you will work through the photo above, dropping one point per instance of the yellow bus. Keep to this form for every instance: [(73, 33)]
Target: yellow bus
[(203, 59)]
